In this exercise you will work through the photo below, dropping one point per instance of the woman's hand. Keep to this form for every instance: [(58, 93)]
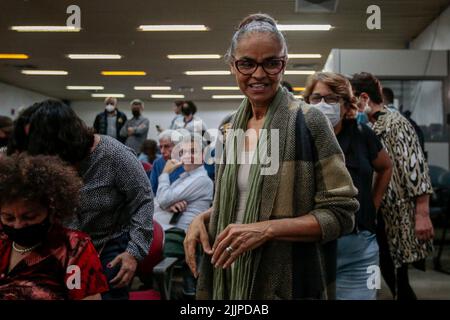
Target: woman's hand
[(195, 234), (171, 165), (237, 239), (128, 265)]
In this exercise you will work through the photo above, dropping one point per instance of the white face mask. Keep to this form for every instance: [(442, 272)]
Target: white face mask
[(332, 111), (109, 108)]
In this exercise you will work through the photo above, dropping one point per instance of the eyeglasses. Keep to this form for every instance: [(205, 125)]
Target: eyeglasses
[(272, 66), (329, 98)]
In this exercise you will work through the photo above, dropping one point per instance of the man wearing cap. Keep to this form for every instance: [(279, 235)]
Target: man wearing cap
[(135, 129)]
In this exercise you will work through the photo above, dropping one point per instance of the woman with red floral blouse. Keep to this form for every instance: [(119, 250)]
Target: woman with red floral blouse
[(40, 259)]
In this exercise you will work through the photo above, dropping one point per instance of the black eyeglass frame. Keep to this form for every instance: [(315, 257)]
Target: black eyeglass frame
[(258, 64), (325, 98)]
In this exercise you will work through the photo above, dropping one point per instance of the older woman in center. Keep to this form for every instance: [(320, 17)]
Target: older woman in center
[(273, 234)]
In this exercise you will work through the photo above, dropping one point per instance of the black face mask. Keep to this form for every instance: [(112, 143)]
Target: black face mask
[(136, 113), (28, 236), (3, 142)]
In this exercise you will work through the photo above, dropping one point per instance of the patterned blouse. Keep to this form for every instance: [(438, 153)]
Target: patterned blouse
[(410, 179), (66, 266)]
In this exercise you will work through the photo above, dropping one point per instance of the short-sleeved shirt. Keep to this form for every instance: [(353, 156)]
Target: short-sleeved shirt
[(65, 266), (361, 146)]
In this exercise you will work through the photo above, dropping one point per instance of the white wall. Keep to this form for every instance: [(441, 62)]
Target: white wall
[(388, 63), (438, 154), (13, 98), (436, 35), (159, 112)]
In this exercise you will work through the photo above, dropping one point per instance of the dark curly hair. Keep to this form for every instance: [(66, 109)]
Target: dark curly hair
[(42, 179), (54, 129), (18, 140)]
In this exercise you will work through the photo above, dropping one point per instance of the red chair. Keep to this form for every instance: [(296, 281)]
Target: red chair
[(156, 269)]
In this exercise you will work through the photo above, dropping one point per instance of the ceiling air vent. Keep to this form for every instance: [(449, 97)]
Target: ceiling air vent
[(316, 6), (23, 66), (185, 89), (305, 66)]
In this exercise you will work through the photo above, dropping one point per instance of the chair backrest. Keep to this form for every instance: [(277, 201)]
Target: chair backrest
[(435, 175), (147, 166), (444, 180), (155, 253)]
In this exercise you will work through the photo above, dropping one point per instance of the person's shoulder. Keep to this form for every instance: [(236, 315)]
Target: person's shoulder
[(121, 117), (3, 240), (365, 129), (202, 177), (158, 161), (110, 147), (71, 238), (158, 165), (110, 143), (76, 236), (398, 122), (227, 121)]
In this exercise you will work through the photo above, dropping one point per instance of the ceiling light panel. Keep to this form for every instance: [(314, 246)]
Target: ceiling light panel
[(45, 29), (106, 95), (304, 27), (14, 56), (94, 56), (85, 87), (208, 73), (123, 73), (167, 96), (194, 56), (45, 72), (153, 88), (179, 27)]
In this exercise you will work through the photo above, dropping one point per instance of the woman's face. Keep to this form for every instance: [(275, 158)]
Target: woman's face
[(259, 86), (321, 89), (19, 214)]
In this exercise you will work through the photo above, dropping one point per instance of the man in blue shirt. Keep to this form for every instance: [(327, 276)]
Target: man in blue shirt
[(166, 144)]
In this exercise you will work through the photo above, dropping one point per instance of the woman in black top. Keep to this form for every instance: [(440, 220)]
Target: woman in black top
[(357, 266)]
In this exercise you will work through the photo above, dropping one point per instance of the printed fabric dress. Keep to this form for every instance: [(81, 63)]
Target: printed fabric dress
[(410, 178), (65, 267)]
